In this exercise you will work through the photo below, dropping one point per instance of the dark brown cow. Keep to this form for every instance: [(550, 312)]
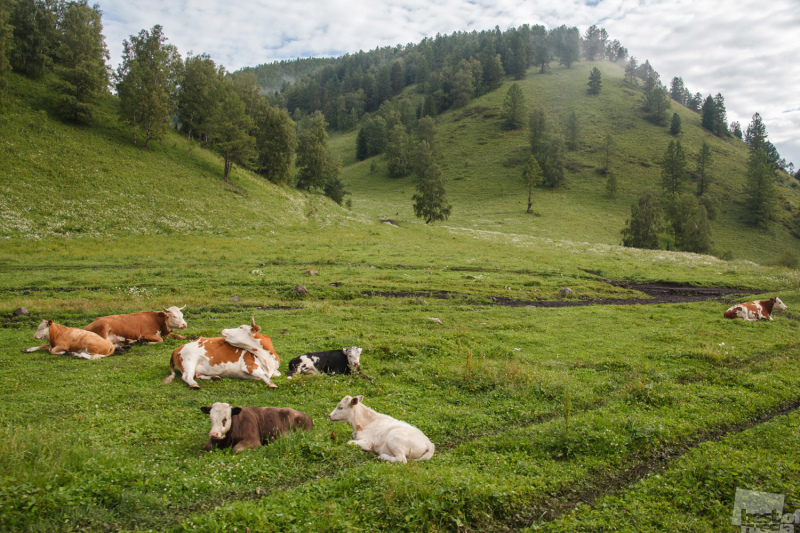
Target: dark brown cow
[(148, 326), (250, 427)]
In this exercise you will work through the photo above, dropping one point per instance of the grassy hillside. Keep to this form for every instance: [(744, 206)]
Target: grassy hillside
[(65, 180), (484, 165)]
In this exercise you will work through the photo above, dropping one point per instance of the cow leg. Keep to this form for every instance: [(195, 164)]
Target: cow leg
[(188, 374), (393, 459), (37, 348), (397, 451), (176, 336), (259, 374), (364, 445), (243, 445), (58, 350), (151, 339)]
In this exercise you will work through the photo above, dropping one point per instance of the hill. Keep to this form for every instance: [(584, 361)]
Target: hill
[(484, 165), (66, 180)]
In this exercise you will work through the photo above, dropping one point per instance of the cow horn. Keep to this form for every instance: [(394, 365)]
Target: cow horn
[(165, 309), (253, 321), (184, 307)]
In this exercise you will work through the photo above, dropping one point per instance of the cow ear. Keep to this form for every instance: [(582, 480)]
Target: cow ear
[(206, 410), (162, 313), (235, 411), (356, 400), (49, 323)]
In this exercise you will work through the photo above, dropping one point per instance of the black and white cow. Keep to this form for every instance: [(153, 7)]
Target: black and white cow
[(331, 362)]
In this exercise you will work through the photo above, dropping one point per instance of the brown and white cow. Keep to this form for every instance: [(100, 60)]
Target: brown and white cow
[(753, 311), (213, 358), (148, 326), (71, 341), (250, 427)]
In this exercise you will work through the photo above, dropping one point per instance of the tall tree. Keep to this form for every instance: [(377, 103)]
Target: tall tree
[(199, 87), (371, 138), (630, 71), (426, 131), (736, 129), (514, 111), (35, 37), (276, 141), (80, 68), (147, 79), (430, 200), (704, 176), (334, 187), (675, 126), (570, 47), (761, 195), (537, 125), (531, 177), (594, 43), (553, 159), (756, 135), (398, 152), (673, 168), (573, 130), (595, 82), (721, 116), (313, 159), (709, 114), (677, 90), (229, 131), (6, 41), (642, 228)]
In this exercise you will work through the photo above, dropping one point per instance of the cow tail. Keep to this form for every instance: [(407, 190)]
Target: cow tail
[(428, 452), (168, 379)]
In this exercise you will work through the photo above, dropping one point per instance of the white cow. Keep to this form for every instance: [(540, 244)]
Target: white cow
[(394, 440)]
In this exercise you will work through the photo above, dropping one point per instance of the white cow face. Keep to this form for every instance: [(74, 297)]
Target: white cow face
[(353, 354), (243, 335), (344, 410), (43, 331), (175, 318), (221, 415), (779, 306)]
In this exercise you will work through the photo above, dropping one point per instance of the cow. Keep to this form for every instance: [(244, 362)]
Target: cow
[(331, 362), (753, 311), (213, 358), (148, 326), (71, 341), (250, 427), (393, 440)]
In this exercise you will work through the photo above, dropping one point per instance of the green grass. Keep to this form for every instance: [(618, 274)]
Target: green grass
[(544, 418)]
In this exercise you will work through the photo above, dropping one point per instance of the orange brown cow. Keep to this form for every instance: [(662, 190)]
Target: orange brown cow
[(71, 341)]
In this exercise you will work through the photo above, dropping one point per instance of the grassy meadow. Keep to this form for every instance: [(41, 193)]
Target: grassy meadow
[(596, 418)]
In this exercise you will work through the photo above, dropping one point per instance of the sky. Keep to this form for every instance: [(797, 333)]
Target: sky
[(748, 50)]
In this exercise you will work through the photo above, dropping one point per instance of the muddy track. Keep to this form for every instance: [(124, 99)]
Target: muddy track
[(606, 484), (653, 293)]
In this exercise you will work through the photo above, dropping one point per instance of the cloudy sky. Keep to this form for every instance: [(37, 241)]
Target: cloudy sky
[(748, 50)]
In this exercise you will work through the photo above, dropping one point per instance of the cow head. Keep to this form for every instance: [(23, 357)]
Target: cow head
[(243, 336), (779, 305), (344, 411), (221, 415), (174, 317), (353, 354), (43, 331)]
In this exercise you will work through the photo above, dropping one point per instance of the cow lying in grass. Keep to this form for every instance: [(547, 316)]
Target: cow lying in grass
[(331, 362), (753, 311), (214, 358), (71, 341), (250, 427), (392, 439), (148, 326)]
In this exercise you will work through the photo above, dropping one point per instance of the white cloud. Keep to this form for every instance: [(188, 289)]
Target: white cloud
[(745, 49)]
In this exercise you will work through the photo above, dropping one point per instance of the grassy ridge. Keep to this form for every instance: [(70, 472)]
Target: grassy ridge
[(484, 165)]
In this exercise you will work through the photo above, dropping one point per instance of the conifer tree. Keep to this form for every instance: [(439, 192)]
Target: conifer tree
[(675, 127), (430, 200), (313, 159), (642, 228), (514, 111), (595, 81), (761, 194), (398, 152), (531, 177), (229, 131), (80, 68), (704, 177), (673, 168)]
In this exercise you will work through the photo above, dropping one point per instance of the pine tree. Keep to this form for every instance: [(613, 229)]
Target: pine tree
[(709, 114), (642, 228), (595, 82), (756, 135), (704, 177), (430, 200), (313, 158), (761, 194), (630, 71), (675, 127), (80, 67), (514, 111), (531, 177), (673, 168)]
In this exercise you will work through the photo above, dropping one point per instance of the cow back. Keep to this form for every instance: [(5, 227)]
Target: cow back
[(131, 325)]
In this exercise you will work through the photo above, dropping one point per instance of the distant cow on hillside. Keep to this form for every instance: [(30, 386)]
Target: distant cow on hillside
[(148, 326), (71, 341), (753, 311), (249, 427), (331, 362)]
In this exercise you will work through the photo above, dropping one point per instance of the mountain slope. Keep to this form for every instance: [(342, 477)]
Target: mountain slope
[(65, 180), (483, 163)]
